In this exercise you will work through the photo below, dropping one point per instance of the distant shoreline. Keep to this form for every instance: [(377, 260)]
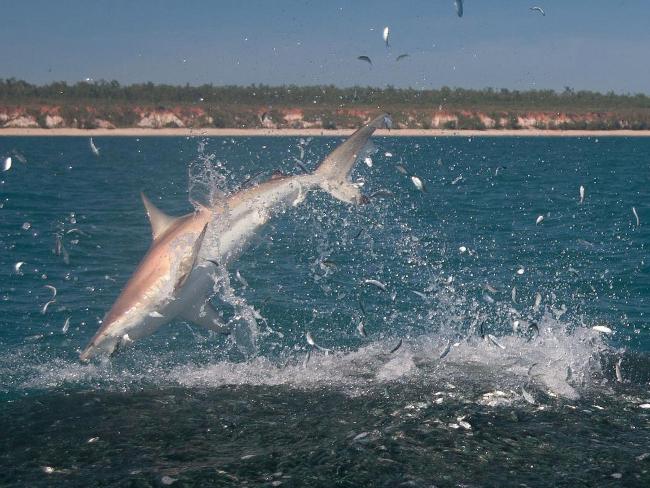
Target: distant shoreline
[(186, 132)]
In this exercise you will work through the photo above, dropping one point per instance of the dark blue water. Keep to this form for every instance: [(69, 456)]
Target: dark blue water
[(490, 387)]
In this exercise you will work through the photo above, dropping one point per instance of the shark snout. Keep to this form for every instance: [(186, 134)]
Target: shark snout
[(105, 346)]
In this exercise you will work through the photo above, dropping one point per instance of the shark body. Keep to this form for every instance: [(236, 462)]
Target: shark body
[(175, 278)]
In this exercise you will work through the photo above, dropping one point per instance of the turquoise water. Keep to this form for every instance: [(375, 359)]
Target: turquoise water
[(490, 387)]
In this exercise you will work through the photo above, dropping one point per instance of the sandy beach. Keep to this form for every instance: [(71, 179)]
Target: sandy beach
[(186, 132)]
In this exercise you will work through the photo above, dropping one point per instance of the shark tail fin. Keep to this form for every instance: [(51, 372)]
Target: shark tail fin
[(334, 172)]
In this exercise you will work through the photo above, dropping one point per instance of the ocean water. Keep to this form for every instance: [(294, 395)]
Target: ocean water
[(499, 378)]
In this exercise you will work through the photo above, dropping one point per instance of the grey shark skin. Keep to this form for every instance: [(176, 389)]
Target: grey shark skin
[(176, 276)]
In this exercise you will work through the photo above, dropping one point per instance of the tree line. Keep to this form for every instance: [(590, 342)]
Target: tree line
[(14, 91)]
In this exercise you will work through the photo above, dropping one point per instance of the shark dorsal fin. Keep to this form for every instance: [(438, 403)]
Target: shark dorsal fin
[(159, 220)]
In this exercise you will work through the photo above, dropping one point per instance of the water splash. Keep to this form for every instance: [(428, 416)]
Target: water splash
[(207, 177)]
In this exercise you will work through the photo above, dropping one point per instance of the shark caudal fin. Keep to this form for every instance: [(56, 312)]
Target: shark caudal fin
[(334, 172)]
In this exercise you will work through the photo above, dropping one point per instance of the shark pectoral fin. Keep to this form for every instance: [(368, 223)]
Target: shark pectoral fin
[(206, 316), (343, 190), (159, 220), (188, 264)]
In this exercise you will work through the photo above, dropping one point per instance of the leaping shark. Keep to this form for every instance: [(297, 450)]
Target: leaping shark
[(175, 278)]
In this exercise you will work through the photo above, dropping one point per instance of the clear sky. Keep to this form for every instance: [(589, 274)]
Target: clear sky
[(586, 44)]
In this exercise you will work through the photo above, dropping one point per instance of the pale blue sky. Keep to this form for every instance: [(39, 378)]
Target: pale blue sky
[(587, 44)]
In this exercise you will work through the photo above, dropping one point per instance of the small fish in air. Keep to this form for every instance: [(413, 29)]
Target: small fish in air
[(66, 325), (490, 288), (527, 396), (51, 301), (312, 343), (619, 375), (44, 309), (399, 344), (361, 329), (423, 296), (539, 220), (459, 7), (602, 328), (381, 194), (386, 34), (241, 279), (445, 351), (494, 341), (52, 289), (94, 148), (636, 216), (366, 59), (376, 283), (418, 183), (582, 194)]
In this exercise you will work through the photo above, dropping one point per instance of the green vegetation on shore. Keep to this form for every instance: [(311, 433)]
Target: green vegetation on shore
[(84, 103), (17, 91)]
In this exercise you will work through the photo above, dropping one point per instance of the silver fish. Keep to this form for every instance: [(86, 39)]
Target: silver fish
[(386, 35), (527, 396), (44, 309), (241, 279), (636, 216), (361, 329), (312, 343), (399, 344), (94, 148), (459, 7), (494, 341), (376, 283), (617, 368), (417, 182), (66, 325), (445, 351), (602, 328)]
